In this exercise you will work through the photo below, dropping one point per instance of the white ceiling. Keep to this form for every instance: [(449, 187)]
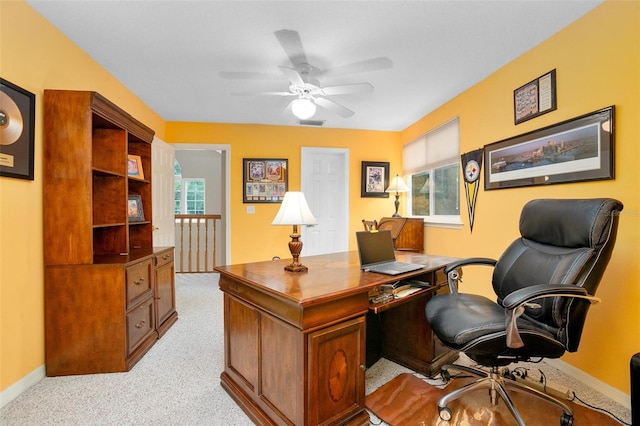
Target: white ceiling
[(171, 53)]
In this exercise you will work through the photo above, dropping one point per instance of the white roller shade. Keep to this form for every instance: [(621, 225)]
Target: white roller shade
[(435, 149)]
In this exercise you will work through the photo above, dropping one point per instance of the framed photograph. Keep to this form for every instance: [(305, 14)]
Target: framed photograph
[(134, 209), (535, 98), (17, 128), (265, 180), (134, 167), (579, 149), (375, 179)]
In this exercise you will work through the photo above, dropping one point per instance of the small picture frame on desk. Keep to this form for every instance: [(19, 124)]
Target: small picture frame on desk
[(134, 167), (134, 209)]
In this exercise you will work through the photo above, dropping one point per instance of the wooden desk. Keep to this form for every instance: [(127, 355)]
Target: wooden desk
[(295, 342)]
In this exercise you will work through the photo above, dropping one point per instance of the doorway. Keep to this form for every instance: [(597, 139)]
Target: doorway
[(220, 171)]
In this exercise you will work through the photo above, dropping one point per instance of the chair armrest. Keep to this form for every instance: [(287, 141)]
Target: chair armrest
[(454, 274), (534, 292), (469, 261), (516, 302)]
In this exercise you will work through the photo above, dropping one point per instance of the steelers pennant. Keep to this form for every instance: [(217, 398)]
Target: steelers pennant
[(471, 166)]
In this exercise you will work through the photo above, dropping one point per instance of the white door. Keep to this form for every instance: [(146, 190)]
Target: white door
[(325, 184), (163, 158)]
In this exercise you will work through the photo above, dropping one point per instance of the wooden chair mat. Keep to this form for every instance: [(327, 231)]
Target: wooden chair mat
[(408, 400)]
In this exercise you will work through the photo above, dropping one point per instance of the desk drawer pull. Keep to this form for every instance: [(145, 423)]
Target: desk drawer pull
[(139, 281), (140, 324)]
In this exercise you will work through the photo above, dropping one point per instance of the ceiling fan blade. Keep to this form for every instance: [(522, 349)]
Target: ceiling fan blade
[(292, 45), (347, 89), (262, 94), (293, 76), (232, 75), (334, 107), (373, 64)]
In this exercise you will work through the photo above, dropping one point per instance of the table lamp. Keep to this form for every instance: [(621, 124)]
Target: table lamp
[(397, 185), (294, 211)]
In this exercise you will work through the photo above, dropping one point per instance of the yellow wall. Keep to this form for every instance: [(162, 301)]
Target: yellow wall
[(36, 56), (597, 62), (265, 240)]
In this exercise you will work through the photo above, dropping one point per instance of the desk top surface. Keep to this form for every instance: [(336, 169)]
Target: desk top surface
[(329, 275)]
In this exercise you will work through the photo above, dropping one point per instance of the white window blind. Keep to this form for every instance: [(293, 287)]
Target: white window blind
[(435, 149)]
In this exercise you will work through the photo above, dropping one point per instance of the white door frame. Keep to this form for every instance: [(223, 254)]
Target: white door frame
[(226, 184)]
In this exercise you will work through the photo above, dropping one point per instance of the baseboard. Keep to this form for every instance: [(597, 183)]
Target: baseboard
[(16, 389), (609, 391)]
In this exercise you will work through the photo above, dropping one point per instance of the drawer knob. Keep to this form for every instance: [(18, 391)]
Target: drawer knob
[(165, 257), (139, 281), (141, 324)]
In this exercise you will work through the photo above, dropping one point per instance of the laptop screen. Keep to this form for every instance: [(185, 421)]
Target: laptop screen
[(375, 247)]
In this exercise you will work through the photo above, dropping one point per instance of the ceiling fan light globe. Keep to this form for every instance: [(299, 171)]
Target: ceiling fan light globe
[(303, 108)]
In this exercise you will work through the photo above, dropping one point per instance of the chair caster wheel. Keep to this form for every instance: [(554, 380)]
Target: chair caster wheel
[(444, 413), (566, 419)]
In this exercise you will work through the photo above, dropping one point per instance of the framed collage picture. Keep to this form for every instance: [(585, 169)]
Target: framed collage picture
[(265, 180)]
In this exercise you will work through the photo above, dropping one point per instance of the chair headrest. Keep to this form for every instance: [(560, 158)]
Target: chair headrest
[(569, 222)]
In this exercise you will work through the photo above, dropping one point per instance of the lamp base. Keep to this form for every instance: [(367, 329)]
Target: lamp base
[(296, 268)]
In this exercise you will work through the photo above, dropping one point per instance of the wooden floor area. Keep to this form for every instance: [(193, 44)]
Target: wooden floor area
[(408, 400)]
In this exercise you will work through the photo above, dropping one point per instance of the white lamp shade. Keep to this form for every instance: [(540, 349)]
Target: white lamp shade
[(294, 211), (303, 108), (397, 185)]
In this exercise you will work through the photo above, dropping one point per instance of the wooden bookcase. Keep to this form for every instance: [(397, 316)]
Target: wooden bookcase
[(101, 296)]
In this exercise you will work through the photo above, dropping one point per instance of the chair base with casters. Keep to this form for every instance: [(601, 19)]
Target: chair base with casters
[(497, 383)]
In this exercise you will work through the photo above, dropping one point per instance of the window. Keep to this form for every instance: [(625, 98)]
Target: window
[(188, 193), (432, 168)]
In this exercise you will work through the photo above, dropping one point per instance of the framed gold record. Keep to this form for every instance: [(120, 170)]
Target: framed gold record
[(17, 122)]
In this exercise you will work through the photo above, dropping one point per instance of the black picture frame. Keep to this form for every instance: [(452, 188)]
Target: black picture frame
[(17, 131), (135, 212), (579, 149), (535, 98), (374, 179), (265, 180)]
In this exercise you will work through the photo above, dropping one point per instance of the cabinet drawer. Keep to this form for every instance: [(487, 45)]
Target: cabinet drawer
[(139, 284), (140, 323), (164, 257)]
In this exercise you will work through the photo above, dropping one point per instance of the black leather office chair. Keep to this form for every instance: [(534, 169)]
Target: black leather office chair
[(544, 282)]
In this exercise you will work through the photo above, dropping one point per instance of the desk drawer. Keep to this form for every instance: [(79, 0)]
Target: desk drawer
[(164, 257), (138, 282), (140, 323)]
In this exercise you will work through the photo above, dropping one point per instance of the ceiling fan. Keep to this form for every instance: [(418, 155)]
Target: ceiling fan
[(303, 78)]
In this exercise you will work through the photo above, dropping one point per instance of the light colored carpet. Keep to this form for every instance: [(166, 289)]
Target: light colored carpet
[(178, 381)]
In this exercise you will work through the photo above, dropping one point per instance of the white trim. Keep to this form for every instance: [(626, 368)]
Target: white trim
[(591, 382), (16, 389)]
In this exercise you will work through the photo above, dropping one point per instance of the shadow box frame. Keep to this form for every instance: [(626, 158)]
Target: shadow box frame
[(575, 150), (371, 179), (17, 122), (264, 180)]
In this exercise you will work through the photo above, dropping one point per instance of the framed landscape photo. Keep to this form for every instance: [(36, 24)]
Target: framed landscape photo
[(134, 209), (535, 98), (265, 180), (579, 149), (17, 128), (375, 179)]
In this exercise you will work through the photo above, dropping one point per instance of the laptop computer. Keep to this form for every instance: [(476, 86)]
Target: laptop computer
[(377, 255)]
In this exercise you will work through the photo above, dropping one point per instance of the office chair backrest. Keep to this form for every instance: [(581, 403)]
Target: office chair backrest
[(563, 242)]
